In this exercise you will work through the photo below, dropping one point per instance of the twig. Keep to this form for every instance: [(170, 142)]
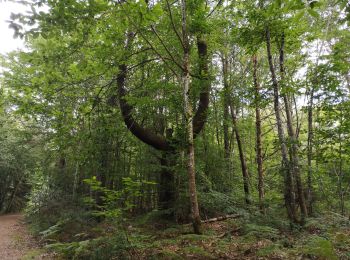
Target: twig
[(173, 24)]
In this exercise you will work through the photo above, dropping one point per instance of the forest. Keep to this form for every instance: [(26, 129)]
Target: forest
[(179, 129)]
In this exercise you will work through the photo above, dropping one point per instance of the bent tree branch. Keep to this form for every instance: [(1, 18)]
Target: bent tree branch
[(146, 135)]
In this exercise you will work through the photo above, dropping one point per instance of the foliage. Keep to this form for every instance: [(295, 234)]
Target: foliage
[(115, 202), (93, 190), (17, 160), (214, 203), (258, 231), (113, 247)]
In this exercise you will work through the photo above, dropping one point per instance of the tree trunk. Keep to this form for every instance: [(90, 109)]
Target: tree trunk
[(244, 168), (226, 109), (293, 139), (340, 170), (289, 195), (310, 150), (259, 156), (188, 115)]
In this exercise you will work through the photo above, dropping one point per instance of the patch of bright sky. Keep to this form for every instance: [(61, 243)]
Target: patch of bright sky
[(7, 41)]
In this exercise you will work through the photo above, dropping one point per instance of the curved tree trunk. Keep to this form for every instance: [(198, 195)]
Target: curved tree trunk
[(146, 135), (160, 142)]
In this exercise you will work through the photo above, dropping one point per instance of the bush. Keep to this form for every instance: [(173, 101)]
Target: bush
[(319, 247)]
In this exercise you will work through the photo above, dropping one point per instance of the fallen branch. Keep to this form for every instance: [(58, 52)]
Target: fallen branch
[(221, 218)]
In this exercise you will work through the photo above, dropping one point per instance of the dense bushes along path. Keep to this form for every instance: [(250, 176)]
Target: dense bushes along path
[(15, 242)]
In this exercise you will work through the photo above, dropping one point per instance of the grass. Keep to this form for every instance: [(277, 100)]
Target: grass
[(33, 254)]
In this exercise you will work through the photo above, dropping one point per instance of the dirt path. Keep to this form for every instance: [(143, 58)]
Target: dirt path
[(15, 242)]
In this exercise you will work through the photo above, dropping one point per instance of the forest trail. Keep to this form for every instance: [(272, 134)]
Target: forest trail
[(15, 242)]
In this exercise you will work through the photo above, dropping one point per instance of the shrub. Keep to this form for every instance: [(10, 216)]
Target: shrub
[(319, 247)]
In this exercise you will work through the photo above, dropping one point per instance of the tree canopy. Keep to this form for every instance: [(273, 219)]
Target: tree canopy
[(177, 110)]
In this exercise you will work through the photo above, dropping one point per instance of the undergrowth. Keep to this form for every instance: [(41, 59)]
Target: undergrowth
[(80, 233)]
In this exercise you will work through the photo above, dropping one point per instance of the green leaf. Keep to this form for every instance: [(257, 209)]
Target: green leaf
[(313, 13)]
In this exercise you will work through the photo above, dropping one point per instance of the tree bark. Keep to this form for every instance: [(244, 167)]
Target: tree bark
[(201, 114), (189, 124), (259, 156), (244, 168)]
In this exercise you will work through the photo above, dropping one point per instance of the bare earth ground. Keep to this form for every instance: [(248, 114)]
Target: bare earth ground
[(15, 241)]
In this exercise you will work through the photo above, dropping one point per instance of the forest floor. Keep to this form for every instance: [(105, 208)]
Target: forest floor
[(16, 242), (327, 237), (246, 237)]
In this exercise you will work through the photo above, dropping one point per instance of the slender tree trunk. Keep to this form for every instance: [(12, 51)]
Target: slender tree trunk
[(188, 112), (293, 139), (217, 123), (289, 195), (245, 173), (226, 109), (76, 180), (259, 156), (340, 170), (310, 135)]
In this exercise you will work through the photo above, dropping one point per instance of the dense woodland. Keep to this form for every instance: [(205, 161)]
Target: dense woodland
[(186, 129)]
